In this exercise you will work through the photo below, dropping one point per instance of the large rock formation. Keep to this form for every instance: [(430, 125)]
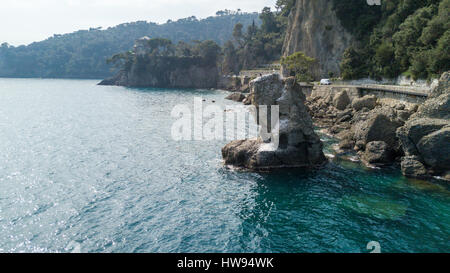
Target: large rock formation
[(181, 76), (299, 145), (315, 29), (378, 153), (425, 137), (146, 70)]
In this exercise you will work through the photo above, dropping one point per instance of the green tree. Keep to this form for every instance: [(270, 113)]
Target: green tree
[(300, 65), (284, 7), (385, 60), (439, 61), (269, 22), (122, 60), (209, 50), (237, 33), (353, 64), (230, 63)]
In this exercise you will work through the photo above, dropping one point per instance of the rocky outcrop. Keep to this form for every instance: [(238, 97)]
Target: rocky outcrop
[(365, 125), (315, 29), (412, 167), (425, 137), (144, 69), (378, 153), (379, 125), (298, 145), (183, 76)]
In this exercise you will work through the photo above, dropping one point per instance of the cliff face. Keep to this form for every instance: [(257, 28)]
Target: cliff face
[(315, 29), (183, 76), (153, 64)]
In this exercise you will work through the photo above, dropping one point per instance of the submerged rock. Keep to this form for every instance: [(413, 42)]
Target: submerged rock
[(376, 207), (298, 145)]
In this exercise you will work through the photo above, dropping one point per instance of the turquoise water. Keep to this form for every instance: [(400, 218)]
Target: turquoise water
[(94, 169)]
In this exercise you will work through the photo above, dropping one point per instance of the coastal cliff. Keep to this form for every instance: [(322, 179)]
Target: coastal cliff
[(185, 75), (159, 63), (315, 29)]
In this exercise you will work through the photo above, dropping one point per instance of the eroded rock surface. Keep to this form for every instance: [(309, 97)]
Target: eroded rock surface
[(378, 153), (298, 146), (425, 137), (315, 29)]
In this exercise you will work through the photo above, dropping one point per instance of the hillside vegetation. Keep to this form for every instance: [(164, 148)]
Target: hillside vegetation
[(254, 46), (83, 54), (410, 37), (248, 47)]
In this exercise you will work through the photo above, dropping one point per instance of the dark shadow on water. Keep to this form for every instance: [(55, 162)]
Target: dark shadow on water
[(170, 90)]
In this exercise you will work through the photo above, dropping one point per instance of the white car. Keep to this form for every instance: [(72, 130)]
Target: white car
[(325, 82)]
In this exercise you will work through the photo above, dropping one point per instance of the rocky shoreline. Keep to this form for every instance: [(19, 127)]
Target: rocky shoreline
[(415, 137)]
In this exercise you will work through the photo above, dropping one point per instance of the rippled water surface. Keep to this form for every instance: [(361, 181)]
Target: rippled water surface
[(91, 168)]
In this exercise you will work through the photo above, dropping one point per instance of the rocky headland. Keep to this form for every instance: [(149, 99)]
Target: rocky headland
[(154, 63), (183, 75)]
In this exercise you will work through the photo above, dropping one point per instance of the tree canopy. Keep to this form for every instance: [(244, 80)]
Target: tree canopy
[(300, 66), (400, 36), (256, 45)]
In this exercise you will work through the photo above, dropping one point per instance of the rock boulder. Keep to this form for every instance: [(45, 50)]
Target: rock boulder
[(298, 144), (341, 100), (368, 102), (378, 152), (425, 137)]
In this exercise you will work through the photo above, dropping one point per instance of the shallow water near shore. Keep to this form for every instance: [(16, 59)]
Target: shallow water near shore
[(94, 169)]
